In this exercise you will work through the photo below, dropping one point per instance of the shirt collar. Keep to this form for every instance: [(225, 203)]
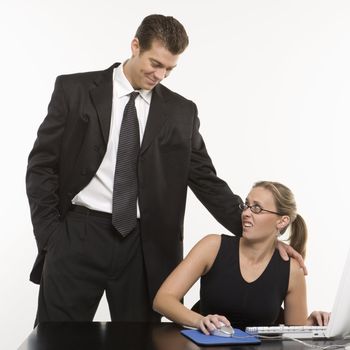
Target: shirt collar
[(123, 86)]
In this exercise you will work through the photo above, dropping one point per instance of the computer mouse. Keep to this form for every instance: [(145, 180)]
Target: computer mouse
[(223, 331)]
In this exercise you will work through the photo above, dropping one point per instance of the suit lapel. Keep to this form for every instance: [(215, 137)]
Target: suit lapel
[(102, 96), (156, 118)]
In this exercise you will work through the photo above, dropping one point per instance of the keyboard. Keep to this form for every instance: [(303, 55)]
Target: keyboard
[(299, 332)]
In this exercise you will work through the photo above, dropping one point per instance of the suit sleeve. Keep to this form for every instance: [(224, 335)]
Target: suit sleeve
[(213, 192), (42, 180)]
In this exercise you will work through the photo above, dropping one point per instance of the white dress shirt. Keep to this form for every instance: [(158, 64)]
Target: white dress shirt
[(97, 195)]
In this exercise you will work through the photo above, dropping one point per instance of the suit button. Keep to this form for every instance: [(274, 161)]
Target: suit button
[(98, 149), (85, 118)]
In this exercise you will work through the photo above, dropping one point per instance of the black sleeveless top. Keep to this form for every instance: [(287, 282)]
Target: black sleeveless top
[(223, 290)]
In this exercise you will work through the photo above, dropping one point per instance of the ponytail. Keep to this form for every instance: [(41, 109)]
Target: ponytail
[(298, 235)]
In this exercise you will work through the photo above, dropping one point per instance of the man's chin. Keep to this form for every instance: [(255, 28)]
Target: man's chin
[(149, 84)]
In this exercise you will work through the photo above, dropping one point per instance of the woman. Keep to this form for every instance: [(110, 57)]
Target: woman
[(244, 280)]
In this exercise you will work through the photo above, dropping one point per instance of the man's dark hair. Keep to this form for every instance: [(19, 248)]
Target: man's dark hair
[(166, 29)]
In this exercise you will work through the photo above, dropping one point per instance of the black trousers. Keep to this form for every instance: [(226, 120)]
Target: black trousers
[(86, 257)]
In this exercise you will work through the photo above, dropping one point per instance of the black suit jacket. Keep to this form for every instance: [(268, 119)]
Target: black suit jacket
[(71, 144)]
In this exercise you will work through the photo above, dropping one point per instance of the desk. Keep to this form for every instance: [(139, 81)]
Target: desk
[(132, 336)]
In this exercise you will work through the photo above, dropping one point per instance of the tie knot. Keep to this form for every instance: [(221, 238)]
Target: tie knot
[(133, 95)]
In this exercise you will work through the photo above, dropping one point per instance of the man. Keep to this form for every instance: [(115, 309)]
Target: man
[(104, 219)]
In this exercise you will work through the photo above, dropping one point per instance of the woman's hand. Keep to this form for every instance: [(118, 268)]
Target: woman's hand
[(212, 322), (318, 318)]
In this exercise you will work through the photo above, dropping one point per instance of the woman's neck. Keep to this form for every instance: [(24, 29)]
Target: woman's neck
[(254, 258), (258, 251)]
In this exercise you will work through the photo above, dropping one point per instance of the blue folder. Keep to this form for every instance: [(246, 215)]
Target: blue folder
[(239, 337)]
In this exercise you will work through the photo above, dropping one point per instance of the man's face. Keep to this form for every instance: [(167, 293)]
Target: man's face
[(147, 69)]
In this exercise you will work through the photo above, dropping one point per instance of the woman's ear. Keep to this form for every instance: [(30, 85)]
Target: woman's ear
[(283, 222)]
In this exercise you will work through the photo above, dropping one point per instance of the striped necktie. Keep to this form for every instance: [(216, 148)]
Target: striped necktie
[(125, 178)]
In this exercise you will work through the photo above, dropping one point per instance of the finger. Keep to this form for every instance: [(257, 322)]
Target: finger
[(326, 316), (203, 327), (299, 259), (209, 323), (224, 320), (283, 252), (301, 263), (319, 318), (216, 320)]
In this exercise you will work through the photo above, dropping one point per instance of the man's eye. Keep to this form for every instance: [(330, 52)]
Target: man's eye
[(155, 64)]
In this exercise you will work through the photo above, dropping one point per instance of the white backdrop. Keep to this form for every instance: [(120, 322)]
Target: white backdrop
[(279, 70)]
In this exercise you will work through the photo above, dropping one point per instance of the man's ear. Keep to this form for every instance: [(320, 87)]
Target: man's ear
[(135, 47)]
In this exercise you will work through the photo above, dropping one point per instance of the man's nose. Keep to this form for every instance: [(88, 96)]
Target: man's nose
[(160, 73)]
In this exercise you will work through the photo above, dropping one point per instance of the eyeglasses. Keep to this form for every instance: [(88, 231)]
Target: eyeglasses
[(256, 208)]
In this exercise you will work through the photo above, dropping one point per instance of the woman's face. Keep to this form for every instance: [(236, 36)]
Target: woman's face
[(265, 224)]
